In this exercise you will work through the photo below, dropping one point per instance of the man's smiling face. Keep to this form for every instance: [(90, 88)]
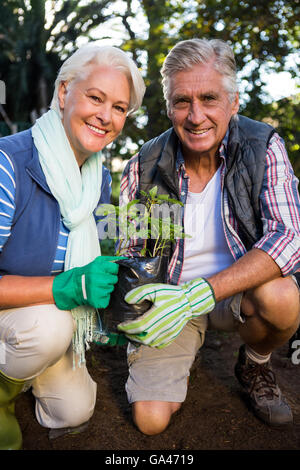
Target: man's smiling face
[(200, 109)]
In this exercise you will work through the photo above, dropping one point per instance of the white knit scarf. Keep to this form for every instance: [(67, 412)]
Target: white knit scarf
[(77, 192)]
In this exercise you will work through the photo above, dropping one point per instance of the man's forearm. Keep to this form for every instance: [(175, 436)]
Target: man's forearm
[(252, 270)]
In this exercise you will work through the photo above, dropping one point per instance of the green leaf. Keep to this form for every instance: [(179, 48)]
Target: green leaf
[(153, 192), (106, 209)]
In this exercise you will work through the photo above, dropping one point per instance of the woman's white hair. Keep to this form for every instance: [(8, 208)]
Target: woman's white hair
[(186, 54), (76, 67)]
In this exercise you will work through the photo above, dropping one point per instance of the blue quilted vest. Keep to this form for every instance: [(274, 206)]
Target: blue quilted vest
[(31, 247)]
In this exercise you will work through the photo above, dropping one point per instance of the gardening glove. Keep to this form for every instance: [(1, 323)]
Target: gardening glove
[(173, 307), (91, 284)]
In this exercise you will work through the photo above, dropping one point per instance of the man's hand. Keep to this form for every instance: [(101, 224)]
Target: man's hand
[(173, 307), (88, 285)]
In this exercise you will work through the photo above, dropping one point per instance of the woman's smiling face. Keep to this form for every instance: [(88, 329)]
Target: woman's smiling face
[(94, 109)]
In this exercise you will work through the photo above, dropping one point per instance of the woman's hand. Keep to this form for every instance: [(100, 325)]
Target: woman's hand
[(88, 285)]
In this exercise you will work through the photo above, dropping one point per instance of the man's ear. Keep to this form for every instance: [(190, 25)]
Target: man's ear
[(62, 90), (169, 112), (235, 104)]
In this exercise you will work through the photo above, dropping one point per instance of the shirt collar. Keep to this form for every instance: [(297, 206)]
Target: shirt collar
[(179, 158), (225, 140)]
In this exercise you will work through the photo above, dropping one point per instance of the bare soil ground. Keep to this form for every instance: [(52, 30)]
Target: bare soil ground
[(214, 416)]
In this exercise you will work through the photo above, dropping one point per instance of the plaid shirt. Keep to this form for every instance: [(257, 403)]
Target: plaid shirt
[(280, 209)]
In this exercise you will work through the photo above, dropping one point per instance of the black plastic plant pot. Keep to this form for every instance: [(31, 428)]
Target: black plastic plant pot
[(133, 272)]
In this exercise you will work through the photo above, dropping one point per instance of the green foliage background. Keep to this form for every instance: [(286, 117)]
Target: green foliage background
[(34, 40)]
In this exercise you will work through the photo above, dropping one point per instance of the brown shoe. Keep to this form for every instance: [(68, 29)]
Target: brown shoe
[(259, 382)]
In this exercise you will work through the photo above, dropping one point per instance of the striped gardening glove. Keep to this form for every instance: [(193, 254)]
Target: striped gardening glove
[(173, 307)]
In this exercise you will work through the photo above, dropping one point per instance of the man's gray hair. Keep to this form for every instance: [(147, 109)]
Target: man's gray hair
[(186, 54), (78, 65)]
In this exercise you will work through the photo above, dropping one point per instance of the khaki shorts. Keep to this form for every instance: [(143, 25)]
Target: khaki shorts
[(161, 374)]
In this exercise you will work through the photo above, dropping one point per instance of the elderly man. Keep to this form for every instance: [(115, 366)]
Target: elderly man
[(235, 272)]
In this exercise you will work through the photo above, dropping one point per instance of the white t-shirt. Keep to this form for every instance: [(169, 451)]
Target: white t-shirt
[(206, 252)]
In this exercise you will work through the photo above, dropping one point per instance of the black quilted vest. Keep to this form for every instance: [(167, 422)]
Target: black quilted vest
[(245, 166)]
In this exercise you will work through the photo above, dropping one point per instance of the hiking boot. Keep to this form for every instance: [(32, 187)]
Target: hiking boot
[(259, 382)]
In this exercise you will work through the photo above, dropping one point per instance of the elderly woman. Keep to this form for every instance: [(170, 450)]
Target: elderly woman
[(52, 273)]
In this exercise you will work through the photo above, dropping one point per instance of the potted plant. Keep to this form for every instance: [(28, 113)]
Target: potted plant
[(143, 234)]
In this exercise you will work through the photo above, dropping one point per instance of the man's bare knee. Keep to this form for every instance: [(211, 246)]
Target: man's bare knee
[(153, 417), (276, 302)]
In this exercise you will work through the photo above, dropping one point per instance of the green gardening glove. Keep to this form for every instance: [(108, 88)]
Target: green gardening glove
[(173, 307), (87, 285)]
